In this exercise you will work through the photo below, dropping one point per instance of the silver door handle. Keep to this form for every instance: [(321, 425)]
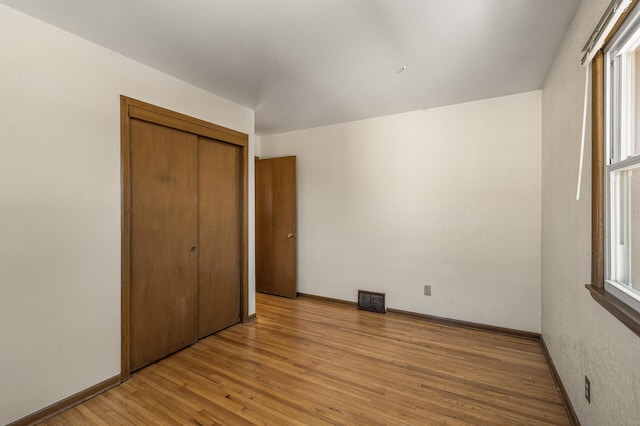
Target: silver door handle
[(290, 235)]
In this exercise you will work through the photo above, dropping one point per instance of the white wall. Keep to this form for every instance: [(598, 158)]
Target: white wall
[(582, 337), (60, 205), (448, 197)]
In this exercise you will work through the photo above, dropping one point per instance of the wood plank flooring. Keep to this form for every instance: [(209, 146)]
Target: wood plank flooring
[(309, 362)]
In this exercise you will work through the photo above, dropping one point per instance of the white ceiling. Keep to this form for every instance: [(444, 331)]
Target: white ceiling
[(307, 63)]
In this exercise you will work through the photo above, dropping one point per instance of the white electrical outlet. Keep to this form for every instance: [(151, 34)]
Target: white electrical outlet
[(427, 290)]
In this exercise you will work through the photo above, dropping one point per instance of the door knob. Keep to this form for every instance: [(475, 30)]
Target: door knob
[(290, 235), (194, 248)]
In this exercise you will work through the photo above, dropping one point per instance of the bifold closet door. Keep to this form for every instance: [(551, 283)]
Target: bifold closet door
[(220, 235), (164, 225)]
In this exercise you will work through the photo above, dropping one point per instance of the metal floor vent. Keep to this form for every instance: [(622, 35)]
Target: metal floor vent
[(371, 301)]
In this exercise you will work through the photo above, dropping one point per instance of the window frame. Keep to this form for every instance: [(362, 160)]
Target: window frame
[(620, 92), (623, 312)]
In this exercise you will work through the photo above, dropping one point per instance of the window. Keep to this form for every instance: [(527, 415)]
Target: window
[(615, 129), (622, 163)]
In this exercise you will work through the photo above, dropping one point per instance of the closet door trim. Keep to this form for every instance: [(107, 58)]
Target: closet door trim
[(174, 120), (134, 109)]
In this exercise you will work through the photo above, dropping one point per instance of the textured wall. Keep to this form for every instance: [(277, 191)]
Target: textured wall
[(60, 205), (582, 337), (449, 197)]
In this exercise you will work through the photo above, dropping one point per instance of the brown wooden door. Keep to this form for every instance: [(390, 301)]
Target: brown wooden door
[(220, 233), (184, 231), (163, 232), (276, 237)]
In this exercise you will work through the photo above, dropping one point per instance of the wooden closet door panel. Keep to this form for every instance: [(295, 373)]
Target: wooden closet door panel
[(163, 230), (219, 235)]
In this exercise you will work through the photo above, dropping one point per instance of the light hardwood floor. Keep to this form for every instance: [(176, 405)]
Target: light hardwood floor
[(309, 362)]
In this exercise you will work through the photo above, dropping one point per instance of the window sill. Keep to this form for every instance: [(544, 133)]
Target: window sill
[(618, 309)]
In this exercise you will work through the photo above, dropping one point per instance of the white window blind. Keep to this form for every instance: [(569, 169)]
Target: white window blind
[(594, 43)]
